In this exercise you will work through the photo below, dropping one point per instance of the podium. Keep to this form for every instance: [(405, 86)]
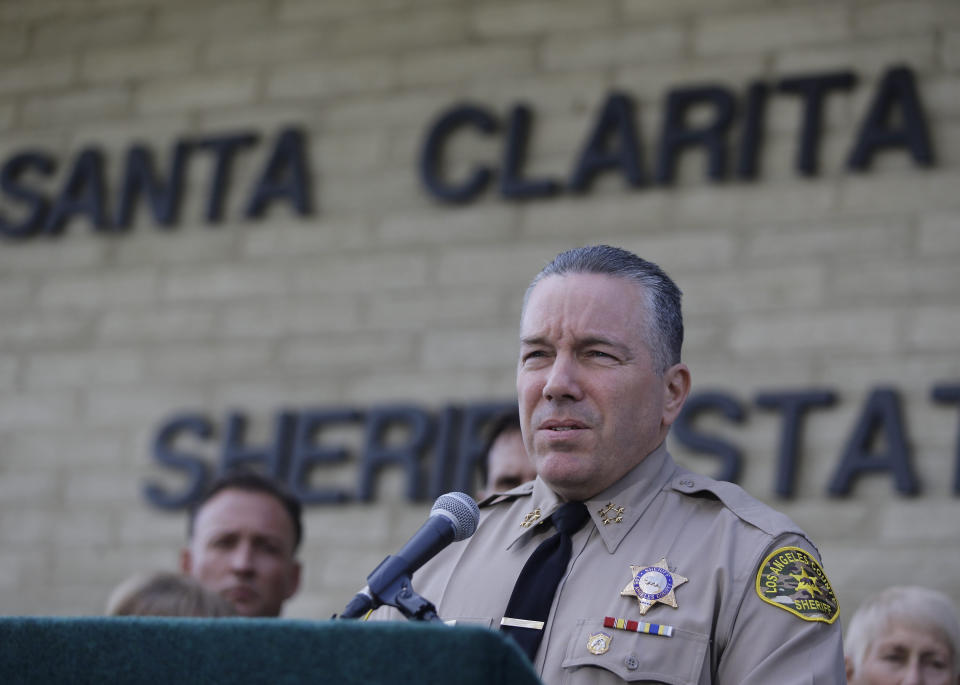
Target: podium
[(268, 651)]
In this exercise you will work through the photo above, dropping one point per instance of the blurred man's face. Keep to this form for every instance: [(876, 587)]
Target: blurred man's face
[(242, 548), (592, 405), (507, 464), (906, 655)]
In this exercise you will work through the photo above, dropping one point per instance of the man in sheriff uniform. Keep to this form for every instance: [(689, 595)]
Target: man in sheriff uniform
[(673, 577)]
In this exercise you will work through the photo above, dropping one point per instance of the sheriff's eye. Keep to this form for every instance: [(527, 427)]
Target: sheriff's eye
[(533, 356)]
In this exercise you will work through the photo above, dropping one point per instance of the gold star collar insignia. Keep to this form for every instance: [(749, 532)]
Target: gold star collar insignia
[(530, 518), (612, 513), (652, 584)]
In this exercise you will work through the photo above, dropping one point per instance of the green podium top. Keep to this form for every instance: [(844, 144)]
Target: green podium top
[(240, 650)]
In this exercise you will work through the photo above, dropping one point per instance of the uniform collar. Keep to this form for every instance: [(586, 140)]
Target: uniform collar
[(634, 492), (541, 503)]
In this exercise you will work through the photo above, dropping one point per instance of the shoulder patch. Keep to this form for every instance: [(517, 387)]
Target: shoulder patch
[(791, 579)]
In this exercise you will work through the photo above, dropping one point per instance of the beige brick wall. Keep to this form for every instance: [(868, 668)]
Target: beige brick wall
[(845, 281)]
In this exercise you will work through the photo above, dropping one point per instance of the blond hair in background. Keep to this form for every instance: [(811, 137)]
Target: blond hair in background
[(163, 593)]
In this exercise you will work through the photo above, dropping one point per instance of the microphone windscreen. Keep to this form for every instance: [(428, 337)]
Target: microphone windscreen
[(461, 510)]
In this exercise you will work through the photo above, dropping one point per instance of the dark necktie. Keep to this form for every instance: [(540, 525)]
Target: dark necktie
[(537, 583)]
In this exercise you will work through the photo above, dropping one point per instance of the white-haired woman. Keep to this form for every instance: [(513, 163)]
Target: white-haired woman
[(904, 636)]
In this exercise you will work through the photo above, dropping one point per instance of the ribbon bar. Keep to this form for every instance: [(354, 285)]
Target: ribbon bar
[(638, 626)]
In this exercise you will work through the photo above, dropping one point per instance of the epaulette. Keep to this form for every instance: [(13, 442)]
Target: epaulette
[(743, 505), (522, 490)]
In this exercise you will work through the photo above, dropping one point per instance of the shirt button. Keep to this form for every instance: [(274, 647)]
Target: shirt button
[(632, 663)]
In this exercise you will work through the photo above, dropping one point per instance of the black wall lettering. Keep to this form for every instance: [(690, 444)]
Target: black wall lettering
[(306, 455), (881, 419), (793, 407), (193, 466), (377, 454), (445, 452), (512, 183), (813, 90), (947, 393), (898, 90), (285, 176), (678, 136), (36, 202), (473, 440), (751, 140), (139, 178), (225, 149), (272, 458), (613, 144), (686, 434), (431, 154), (82, 194)]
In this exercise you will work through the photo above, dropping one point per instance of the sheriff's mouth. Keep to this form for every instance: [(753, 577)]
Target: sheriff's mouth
[(560, 426)]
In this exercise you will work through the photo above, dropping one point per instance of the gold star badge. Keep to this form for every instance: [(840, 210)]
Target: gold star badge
[(652, 584)]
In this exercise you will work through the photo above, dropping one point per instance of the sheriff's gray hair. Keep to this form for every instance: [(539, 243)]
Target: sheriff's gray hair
[(665, 331), (909, 605)]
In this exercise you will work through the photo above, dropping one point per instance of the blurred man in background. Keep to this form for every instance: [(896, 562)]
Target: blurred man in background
[(505, 464), (243, 540)]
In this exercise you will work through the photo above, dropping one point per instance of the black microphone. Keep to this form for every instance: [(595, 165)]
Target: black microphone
[(453, 517)]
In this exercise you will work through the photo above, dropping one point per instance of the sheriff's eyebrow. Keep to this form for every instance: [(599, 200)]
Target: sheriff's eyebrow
[(597, 340), (535, 340)]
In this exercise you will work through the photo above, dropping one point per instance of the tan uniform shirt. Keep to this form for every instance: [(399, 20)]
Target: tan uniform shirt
[(711, 533)]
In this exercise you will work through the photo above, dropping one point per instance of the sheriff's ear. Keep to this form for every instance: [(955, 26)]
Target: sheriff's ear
[(676, 388), (848, 663)]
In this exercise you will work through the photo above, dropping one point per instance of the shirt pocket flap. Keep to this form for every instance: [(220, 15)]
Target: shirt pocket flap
[(634, 656)]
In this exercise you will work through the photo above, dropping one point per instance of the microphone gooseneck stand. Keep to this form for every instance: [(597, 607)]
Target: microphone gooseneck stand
[(454, 517)]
